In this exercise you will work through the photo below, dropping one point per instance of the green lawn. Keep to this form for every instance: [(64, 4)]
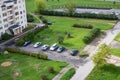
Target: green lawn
[(106, 72), (115, 51), (117, 38), (29, 68), (89, 3), (61, 25)]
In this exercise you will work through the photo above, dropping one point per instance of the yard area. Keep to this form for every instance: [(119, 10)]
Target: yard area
[(117, 38), (115, 51), (62, 25), (28, 68), (106, 72), (84, 3)]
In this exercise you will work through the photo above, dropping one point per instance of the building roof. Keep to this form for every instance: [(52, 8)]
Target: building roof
[(14, 26)]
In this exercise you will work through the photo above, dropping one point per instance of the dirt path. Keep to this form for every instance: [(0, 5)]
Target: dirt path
[(62, 72)]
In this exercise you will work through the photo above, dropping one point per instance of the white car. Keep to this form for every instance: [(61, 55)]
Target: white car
[(54, 47), (37, 44), (45, 47)]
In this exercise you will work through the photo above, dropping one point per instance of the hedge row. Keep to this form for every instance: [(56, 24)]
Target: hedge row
[(88, 26), (29, 36), (92, 35), (68, 75), (81, 15), (39, 56)]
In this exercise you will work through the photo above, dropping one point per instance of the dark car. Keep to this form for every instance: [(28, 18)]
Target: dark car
[(60, 49), (74, 52), (26, 43)]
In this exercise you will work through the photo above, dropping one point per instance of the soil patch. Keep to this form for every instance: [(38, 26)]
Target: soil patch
[(6, 64)]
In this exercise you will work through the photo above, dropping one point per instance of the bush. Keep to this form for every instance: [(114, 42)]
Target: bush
[(68, 75), (6, 36), (39, 56), (44, 77), (88, 26), (51, 70), (92, 35), (30, 18), (84, 54), (19, 42), (81, 15)]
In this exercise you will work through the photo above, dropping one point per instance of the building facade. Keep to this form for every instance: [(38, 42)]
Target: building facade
[(12, 16)]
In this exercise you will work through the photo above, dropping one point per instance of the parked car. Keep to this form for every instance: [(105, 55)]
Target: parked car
[(74, 52), (54, 47), (37, 44), (45, 47), (60, 49), (26, 43)]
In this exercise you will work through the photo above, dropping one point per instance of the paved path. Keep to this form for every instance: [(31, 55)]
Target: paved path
[(84, 70), (62, 72)]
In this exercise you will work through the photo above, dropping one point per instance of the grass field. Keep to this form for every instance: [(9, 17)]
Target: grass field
[(29, 68), (106, 72), (85, 3), (115, 51), (61, 25), (117, 38)]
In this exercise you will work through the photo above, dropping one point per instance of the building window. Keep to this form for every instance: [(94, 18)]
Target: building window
[(3, 8), (9, 7), (1, 27), (6, 25), (16, 13), (5, 20), (4, 14)]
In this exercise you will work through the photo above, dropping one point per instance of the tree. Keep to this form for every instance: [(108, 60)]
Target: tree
[(70, 6), (40, 5), (99, 57), (5, 36), (60, 39)]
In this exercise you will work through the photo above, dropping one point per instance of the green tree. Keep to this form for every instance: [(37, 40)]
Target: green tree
[(5, 36), (99, 57), (70, 6), (40, 5), (60, 39)]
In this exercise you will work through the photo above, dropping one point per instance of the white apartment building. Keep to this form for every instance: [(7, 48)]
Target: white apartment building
[(12, 16)]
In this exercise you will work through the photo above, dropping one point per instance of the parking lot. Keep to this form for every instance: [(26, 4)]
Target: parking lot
[(54, 55)]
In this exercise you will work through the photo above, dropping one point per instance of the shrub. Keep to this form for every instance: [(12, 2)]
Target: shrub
[(68, 75), (88, 26), (51, 70), (20, 42), (92, 35), (5, 36), (44, 77), (30, 18), (84, 54), (81, 15), (39, 56)]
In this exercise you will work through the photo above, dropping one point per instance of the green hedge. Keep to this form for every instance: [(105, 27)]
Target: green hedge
[(17, 51), (68, 75), (92, 35), (88, 26), (81, 15)]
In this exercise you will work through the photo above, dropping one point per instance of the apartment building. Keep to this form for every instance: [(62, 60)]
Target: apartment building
[(12, 16)]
